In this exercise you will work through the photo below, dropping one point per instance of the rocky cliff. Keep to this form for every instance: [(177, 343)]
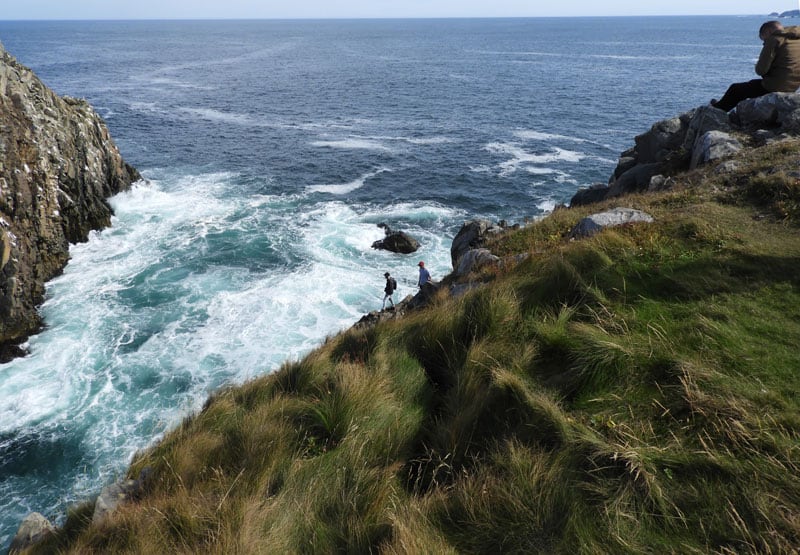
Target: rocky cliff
[(58, 164)]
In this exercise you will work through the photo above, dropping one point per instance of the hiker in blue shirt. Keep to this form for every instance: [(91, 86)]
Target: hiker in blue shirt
[(424, 275)]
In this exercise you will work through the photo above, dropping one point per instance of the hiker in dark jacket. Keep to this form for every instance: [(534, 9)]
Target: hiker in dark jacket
[(778, 65), (391, 287)]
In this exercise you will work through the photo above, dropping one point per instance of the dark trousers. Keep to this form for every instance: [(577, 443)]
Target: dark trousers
[(740, 91)]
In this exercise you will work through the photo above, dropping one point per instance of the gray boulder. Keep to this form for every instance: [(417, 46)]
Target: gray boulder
[(771, 110), (472, 235), (635, 179), (662, 139), (713, 145), (473, 260), (111, 497), (665, 147), (659, 183), (424, 295), (618, 216), (33, 529), (703, 120)]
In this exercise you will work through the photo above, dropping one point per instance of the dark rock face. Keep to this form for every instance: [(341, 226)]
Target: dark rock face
[(58, 164)]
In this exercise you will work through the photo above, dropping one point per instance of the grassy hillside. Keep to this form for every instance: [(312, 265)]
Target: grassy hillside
[(634, 392)]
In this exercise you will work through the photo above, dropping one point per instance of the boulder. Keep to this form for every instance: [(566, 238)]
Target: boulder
[(667, 146), (635, 179), (472, 235), (111, 497), (424, 295), (473, 260), (659, 183), (33, 529), (771, 110), (663, 138), (398, 242), (618, 216), (589, 195), (713, 145), (624, 163), (703, 120)]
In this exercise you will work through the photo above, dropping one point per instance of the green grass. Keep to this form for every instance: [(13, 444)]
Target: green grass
[(636, 392)]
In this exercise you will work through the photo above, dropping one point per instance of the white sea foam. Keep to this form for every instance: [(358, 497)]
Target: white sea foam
[(344, 188), (547, 205), (158, 81), (434, 140), (140, 330), (225, 117), (643, 58), (522, 159), (528, 135), (353, 143), (147, 107)]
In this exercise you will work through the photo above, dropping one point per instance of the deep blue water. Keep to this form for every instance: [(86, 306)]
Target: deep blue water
[(272, 150)]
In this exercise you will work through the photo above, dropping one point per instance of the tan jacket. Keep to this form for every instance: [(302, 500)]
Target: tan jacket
[(779, 61)]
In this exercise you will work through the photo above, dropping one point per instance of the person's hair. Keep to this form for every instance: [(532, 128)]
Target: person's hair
[(769, 27)]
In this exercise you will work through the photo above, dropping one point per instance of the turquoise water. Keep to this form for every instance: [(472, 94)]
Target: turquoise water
[(271, 151)]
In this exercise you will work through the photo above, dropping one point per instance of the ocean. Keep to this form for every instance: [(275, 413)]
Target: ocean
[(271, 151)]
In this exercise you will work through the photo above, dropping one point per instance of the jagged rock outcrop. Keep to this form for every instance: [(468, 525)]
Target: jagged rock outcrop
[(700, 136), (58, 164)]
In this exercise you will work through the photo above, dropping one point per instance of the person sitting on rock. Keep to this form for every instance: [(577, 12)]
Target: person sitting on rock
[(391, 287), (424, 274), (778, 65)]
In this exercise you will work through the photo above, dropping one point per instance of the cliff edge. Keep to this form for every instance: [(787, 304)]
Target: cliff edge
[(58, 164)]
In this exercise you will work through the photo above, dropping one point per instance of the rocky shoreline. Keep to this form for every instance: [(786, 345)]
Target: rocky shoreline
[(58, 165)]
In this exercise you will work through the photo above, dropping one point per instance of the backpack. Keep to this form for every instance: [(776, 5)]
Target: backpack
[(393, 283)]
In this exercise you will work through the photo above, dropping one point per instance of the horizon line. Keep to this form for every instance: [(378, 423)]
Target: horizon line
[(384, 18)]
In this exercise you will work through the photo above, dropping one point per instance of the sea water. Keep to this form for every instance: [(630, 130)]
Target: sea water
[(271, 151)]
